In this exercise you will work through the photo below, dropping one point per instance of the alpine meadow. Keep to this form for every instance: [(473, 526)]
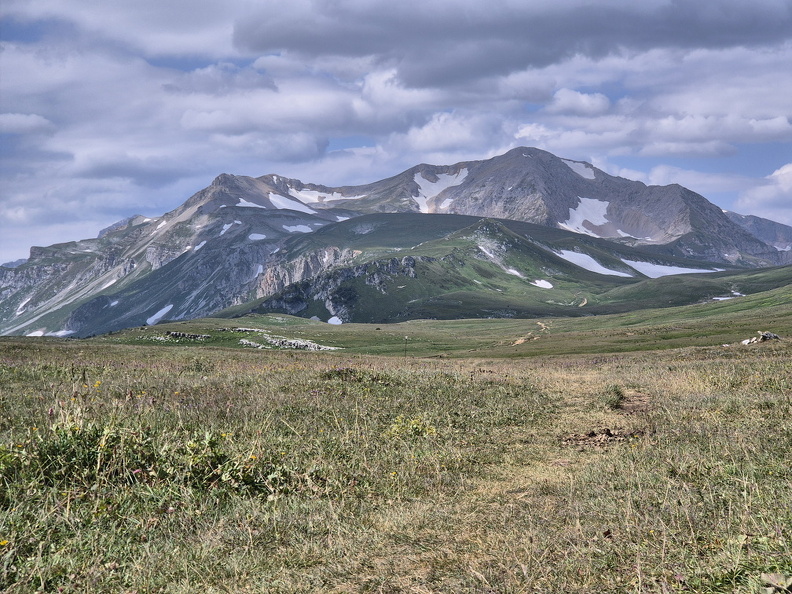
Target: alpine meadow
[(630, 452)]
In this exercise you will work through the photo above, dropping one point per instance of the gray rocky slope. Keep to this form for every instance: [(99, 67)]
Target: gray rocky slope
[(223, 246), (775, 234)]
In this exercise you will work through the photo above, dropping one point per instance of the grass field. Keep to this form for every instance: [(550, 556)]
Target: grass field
[(629, 453)]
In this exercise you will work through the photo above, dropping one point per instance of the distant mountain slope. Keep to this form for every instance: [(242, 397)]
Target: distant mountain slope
[(775, 234), (532, 185), (452, 266), (245, 238)]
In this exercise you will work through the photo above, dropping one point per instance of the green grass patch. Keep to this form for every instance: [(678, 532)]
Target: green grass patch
[(134, 464)]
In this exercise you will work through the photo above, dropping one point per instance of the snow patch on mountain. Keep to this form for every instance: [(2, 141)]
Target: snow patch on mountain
[(657, 270), (159, 315), (732, 296), (588, 263), (256, 236), (428, 190), (246, 204), (335, 320), (199, 246), (22, 305), (589, 210), (316, 196), (60, 333), (227, 226), (297, 228), (542, 284), (279, 201), (487, 251), (582, 169)]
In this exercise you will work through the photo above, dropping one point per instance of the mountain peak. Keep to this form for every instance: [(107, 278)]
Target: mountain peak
[(230, 242)]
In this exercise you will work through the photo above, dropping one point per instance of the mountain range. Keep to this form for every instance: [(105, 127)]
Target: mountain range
[(522, 234)]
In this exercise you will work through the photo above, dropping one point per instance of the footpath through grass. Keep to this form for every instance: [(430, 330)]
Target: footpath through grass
[(139, 468)]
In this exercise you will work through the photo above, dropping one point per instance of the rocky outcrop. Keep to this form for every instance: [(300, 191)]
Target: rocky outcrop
[(158, 255), (287, 272), (328, 287), (764, 336)]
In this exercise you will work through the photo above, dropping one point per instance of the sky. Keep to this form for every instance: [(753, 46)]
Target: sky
[(110, 108)]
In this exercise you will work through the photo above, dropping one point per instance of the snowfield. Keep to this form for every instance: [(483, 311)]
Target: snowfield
[(279, 201), (486, 251), (227, 226), (316, 196), (542, 284), (657, 270), (589, 209), (581, 169), (297, 228), (244, 203), (256, 236), (159, 315), (427, 189), (588, 263)]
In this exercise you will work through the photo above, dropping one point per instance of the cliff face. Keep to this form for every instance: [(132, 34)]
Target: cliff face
[(279, 275), (327, 287)]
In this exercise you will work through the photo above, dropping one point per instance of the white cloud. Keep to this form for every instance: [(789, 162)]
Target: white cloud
[(23, 123), (574, 102), (770, 198)]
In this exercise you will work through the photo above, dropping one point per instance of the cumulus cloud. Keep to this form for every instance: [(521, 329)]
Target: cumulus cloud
[(587, 104), (23, 123), (771, 197), (109, 109)]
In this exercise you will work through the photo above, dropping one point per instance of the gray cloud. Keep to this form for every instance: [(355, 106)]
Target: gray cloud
[(220, 79), (439, 43)]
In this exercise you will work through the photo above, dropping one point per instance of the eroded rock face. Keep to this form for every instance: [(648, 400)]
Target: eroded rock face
[(328, 287), (279, 275)]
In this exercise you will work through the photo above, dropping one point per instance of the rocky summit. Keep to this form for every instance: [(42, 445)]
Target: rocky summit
[(524, 233)]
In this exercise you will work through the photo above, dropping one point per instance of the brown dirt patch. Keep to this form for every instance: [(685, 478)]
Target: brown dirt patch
[(635, 403), (600, 438)]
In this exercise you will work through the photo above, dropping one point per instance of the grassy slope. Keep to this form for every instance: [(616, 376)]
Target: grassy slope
[(129, 463), (706, 324), (136, 468), (464, 282)]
